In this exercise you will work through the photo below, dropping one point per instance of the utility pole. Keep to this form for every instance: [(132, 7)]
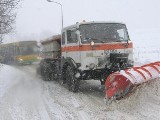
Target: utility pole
[(61, 9)]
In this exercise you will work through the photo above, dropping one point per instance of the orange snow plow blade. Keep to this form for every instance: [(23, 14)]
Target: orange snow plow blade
[(118, 84)]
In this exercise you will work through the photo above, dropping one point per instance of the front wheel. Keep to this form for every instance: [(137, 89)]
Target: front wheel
[(72, 81)]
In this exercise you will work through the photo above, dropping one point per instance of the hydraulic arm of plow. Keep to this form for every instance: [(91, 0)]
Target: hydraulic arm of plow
[(118, 84)]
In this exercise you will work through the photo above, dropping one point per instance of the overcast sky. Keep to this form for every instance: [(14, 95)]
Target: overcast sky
[(37, 19)]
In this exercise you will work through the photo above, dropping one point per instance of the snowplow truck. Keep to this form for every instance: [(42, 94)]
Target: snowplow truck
[(86, 50)]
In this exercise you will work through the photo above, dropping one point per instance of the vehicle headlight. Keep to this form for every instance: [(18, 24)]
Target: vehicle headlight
[(39, 58), (20, 59)]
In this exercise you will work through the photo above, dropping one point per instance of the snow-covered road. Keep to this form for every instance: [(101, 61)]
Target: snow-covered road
[(25, 96)]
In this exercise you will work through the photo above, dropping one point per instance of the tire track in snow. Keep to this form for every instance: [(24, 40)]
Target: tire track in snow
[(55, 110), (79, 103), (23, 98), (5, 79), (61, 102), (74, 106), (54, 101), (82, 114), (143, 104)]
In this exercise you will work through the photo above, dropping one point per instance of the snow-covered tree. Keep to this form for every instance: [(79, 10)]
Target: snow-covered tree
[(7, 16)]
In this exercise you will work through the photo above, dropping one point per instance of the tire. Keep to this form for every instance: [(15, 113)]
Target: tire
[(47, 75), (54, 73), (72, 82)]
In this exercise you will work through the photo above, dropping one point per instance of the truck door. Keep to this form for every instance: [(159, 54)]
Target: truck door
[(72, 45)]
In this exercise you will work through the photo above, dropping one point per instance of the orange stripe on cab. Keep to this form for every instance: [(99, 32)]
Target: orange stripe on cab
[(110, 46)]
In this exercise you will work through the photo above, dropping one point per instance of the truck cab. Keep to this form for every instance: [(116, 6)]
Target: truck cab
[(90, 50), (97, 47)]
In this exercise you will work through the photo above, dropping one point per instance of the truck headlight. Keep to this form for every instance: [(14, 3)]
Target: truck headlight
[(92, 43)]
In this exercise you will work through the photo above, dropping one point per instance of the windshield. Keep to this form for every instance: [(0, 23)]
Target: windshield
[(103, 32), (28, 50)]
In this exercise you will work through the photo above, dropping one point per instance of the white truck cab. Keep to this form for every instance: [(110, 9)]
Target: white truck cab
[(91, 44), (92, 50)]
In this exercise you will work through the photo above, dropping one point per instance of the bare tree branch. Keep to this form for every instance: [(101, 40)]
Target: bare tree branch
[(7, 16)]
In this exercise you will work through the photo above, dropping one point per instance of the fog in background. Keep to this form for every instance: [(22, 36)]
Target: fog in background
[(39, 19)]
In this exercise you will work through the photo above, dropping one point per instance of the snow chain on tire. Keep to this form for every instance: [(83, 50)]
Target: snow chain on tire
[(72, 81)]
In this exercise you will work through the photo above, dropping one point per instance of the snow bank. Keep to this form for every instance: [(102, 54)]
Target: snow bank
[(7, 73), (146, 55), (143, 103), (20, 95), (146, 45)]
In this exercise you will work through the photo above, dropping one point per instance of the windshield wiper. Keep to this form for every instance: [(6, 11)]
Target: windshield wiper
[(95, 40), (113, 39), (91, 38)]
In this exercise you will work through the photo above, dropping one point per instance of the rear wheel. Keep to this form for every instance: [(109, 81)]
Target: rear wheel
[(72, 81), (54, 72), (47, 74)]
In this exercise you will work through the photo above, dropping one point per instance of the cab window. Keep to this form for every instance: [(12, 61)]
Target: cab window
[(72, 36)]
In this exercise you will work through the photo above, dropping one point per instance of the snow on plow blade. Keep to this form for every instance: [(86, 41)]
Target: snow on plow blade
[(118, 84)]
